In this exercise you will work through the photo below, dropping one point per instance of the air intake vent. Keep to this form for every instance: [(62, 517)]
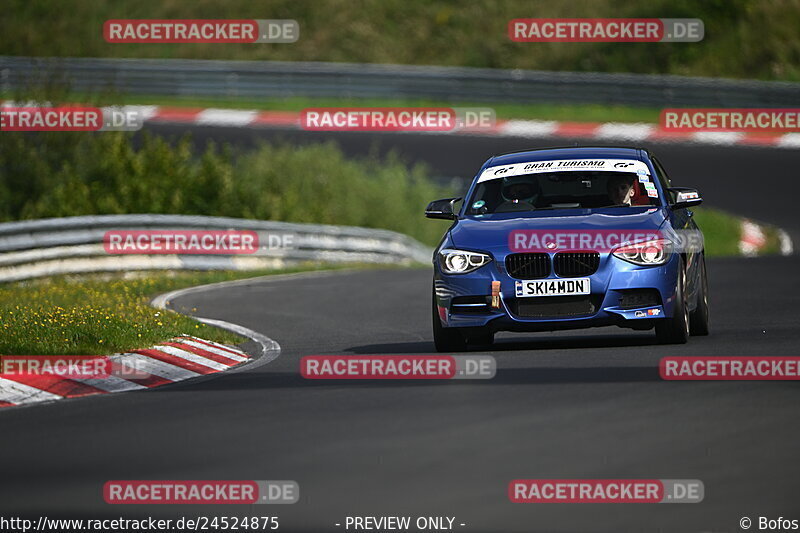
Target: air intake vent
[(556, 306), (528, 266), (635, 298)]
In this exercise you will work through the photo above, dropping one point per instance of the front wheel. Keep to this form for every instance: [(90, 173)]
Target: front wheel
[(698, 320), (675, 330), (446, 339), (484, 339)]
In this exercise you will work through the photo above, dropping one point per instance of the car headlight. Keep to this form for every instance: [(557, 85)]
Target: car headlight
[(645, 253), (460, 261)]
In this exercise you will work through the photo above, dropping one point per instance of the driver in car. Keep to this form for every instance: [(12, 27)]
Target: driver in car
[(620, 189), (519, 193)]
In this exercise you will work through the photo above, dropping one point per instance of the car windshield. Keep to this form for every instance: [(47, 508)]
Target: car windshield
[(562, 190)]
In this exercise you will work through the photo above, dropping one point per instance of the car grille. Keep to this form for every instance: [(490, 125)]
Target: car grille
[(556, 306), (528, 266), (576, 264)]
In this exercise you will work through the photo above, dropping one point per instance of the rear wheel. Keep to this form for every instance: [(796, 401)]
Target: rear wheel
[(675, 330), (698, 319), (446, 339)]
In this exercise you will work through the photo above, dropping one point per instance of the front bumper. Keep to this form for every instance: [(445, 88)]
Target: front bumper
[(612, 278)]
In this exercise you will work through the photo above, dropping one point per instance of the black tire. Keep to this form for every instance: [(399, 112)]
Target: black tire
[(485, 338), (675, 330), (698, 319), (446, 339)]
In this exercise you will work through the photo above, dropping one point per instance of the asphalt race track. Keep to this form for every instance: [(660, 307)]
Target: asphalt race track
[(585, 404)]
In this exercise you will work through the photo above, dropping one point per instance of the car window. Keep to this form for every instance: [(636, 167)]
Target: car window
[(558, 190), (661, 174)]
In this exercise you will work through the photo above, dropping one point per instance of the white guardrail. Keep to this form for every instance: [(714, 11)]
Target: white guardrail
[(279, 79), (36, 248)]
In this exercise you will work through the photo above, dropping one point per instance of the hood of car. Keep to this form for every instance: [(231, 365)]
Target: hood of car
[(492, 232)]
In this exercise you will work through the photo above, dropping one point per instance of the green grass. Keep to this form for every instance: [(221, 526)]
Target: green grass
[(529, 111), (743, 38), (773, 245), (722, 232), (95, 315)]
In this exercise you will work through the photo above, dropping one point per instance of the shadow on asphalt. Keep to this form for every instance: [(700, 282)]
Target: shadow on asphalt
[(516, 344), (505, 376), (263, 378)]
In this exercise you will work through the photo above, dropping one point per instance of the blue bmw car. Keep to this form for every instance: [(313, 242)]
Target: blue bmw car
[(569, 238)]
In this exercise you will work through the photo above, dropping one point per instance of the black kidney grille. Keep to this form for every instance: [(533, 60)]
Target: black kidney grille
[(528, 266), (576, 264)]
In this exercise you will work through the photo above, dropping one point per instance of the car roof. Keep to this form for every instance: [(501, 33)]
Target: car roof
[(571, 152)]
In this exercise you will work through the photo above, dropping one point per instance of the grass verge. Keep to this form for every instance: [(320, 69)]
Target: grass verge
[(97, 314), (722, 232), (532, 111), (573, 112)]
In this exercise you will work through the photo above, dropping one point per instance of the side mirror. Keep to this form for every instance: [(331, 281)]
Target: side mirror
[(442, 209), (684, 197)]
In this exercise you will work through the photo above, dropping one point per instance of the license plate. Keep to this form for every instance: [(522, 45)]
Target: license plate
[(553, 287)]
